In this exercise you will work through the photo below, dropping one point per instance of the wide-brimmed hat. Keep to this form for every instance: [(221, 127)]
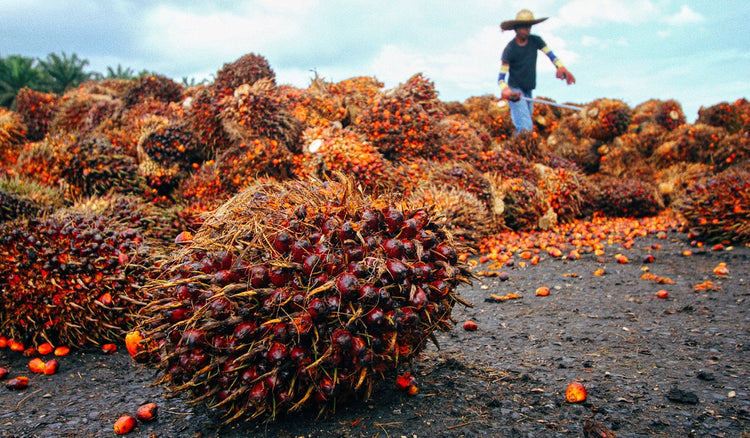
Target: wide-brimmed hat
[(524, 17)]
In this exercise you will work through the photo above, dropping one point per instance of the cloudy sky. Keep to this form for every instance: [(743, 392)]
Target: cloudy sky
[(696, 51)]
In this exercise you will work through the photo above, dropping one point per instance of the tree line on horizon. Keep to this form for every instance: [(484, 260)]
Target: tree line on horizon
[(57, 73)]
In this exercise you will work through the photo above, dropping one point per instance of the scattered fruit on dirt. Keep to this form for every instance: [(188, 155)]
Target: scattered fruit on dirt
[(147, 412), (721, 269), (662, 294), (3, 372), (62, 351), (542, 291), (407, 383), (50, 367), (45, 349), (109, 348), (470, 326), (124, 424), (36, 365), (575, 393), (17, 383)]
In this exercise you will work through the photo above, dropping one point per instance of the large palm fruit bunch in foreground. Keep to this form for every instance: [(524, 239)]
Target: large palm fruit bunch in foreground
[(296, 294), (717, 207), (71, 278)]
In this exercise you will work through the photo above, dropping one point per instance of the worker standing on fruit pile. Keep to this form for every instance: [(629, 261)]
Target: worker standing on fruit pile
[(519, 61)]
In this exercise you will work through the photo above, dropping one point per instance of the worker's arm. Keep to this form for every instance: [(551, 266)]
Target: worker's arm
[(562, 72), (505, 91)]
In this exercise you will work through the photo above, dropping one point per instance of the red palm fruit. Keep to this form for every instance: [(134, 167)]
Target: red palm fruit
[(347, 231), (368, 294), (354, 253), (124, 424), (109, 348), (300, 249), (279, 276), (312, 265), (15, 345), (347, 285), (300, 355), (333, 302), (394, 219), (271, 381), (370, 220), (342, 339), (397, 270), (375, 318), (358, 346), (393, 248), (62, 351), (282, 242), (427, 238), (45, 349), (193, 338), (221, 308), (330, 225), (259, 276), (278, 352), (106, 299), (419, 298), (3, 342), (421, 271), (177, 315), (404, 381), (317, 309), (184, 237), (250, 374), (17, 383), (50, 367), (147, 412), (258, 393), (470, 326), (410, 229), (410, 251), (245, 329), (575, 392), (36, 365), (447, 253), (3, 372)]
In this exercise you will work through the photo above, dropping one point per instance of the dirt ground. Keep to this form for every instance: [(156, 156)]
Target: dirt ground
[(652, 367)]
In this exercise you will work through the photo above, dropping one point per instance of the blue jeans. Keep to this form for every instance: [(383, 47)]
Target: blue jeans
[(521, 111)]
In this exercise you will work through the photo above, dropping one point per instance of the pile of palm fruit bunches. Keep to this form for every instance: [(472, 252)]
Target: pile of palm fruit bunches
[(291, 284)]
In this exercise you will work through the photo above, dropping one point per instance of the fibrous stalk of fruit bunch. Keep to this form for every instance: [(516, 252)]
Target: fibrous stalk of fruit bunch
[(605, 119), (621, 158), (70, 279), (37, 109), (22, 197), (461, 175), (460, 212), (258, 110), (734, 117), (696, 143), (298, 294), (518, 200), (717, 206), (12, 135), (675, 179), (563, 191), (626, 197)]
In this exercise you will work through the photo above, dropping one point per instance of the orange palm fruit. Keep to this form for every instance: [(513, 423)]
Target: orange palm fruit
[(45, 349), (50, 367), (575, 393), (36, 365), (470, 326), (124, 424), (133, 343), (542, 291), (721, 269), (109, 348), (662, 294), (16, 383), (62, 351), (146, 412)]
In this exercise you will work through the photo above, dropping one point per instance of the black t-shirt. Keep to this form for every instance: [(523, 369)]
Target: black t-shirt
[(522, 61)]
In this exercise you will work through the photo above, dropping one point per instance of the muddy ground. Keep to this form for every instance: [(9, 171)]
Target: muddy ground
[(652, 367)]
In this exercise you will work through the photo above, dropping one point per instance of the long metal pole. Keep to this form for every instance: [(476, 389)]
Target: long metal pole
[(548, 102)]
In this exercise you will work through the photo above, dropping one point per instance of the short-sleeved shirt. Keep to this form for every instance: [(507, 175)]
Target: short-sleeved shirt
[(522, 61)]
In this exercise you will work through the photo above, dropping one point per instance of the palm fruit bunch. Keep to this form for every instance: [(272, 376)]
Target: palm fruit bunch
[(675, 179), (460, 212), (626, 197), (332, 150), (695, 143), (317, 105), (258, 111), (622, 157), (646, 137), (247, 69), (546, 118), (567, 142), (731, 149), (37, 109), (605, 119), (73, 111), (492, 115), (665, 113), (716, 207), (12, 135), (23, 197), (529, 145), (504, 162), (298, 293), (202, 108), (734, 117), (167, 152), (398, 124), (463, 176), (356, 93), (152, 86), (70, 279), (457, 138), (518, 200), (563, 191)]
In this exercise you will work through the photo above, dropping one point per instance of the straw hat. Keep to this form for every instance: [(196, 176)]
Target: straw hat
[(524, 17)]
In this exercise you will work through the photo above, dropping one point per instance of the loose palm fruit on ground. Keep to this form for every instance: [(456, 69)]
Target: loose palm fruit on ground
[(124, 424), (147, 412), (17, 383), (3, 372), (575, 393), (298, 294)]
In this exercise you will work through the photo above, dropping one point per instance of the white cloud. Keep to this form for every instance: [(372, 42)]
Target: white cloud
[(582, 13), (685, 16)]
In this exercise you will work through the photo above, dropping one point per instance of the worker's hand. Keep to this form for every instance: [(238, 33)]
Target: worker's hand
[(511, 95), (563, 73)]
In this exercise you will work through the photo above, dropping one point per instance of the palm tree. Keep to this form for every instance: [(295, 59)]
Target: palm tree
[(16, 72), (120, 73), (63, 73)]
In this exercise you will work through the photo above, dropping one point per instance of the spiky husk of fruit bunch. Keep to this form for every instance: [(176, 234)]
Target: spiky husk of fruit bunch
[(37, 109), (153, 86), (247, 69), (626, 197), (91, 165), (457, 138), (493, 116), (731, 149), (79, 111), (397, 125), (12, 135), (563, 191), (734, 117), (243, 162), (331, 150), (692, 143), (519, 201), (621, 157), (22, 197), (665, 113), (258, 110), (37, 161), (462, 175), (70, 279), (717, 207), (646, 138), (317, 105), (299, 294), (529, 145), (674, 180), (506, 163), (460, 212), (605, 119), (421, 90)]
